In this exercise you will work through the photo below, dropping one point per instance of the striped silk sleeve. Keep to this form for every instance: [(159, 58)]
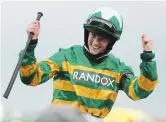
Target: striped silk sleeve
[(139, 87), (33, 72)]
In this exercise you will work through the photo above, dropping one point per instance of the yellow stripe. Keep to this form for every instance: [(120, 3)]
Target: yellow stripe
[(66, 66), (146, 84), (132, 92), (63, 85), (84, 91), (94, 111), (64, 102), (54, 67), (95, 93), (37, 78), (28, 70)]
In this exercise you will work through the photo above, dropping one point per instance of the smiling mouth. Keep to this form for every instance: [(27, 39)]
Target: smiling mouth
[(95, 47)]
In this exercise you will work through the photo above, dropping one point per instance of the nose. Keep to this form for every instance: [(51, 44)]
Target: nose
[(96, 41)]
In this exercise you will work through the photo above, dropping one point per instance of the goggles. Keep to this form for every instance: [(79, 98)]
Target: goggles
[(102, 23)]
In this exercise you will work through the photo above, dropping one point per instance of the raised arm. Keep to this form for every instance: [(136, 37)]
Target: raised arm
[(140, 87), (33, 72)]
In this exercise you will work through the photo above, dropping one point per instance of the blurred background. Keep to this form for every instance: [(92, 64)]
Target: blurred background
[(62, 26)]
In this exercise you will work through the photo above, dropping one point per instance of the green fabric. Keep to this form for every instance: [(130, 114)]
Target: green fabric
[(149, 70), (90, 103), (140, 93), (28, 58), (76, 58), (46, 69), (28, 79), (147, 56)]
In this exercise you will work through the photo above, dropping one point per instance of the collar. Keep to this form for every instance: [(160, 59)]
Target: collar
[(95, 58)]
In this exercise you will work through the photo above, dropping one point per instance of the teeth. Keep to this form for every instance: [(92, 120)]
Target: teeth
[(95, 47)]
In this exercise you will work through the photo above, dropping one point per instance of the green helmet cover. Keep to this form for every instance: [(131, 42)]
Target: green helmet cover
[(105, 21)]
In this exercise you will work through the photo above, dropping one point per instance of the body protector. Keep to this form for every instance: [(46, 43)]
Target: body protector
[(104, 21)]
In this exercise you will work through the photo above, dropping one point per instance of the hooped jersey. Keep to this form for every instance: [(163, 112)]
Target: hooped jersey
[(90, 86)]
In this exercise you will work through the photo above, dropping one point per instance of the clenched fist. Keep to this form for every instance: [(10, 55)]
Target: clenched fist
[(146, 43), (34, 27)]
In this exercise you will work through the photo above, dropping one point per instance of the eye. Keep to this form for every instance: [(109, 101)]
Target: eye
[(102, 38)]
